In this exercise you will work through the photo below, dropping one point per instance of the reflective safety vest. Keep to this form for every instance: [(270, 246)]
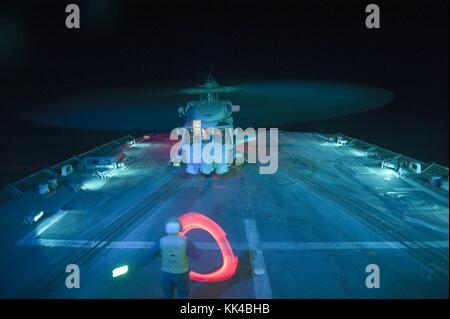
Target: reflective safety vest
[(174, 254)]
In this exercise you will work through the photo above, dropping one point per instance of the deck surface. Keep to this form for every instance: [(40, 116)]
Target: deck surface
[(313, 227)]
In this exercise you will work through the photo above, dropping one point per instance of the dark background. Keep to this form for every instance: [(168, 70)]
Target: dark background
[(178, 43)]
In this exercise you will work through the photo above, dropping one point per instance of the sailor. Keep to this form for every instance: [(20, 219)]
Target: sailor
[(175, 250)]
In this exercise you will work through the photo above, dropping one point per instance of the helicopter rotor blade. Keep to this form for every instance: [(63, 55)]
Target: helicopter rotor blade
[(262, 103)]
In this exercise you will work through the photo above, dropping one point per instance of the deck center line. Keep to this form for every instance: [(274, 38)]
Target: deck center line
[(260, 277)]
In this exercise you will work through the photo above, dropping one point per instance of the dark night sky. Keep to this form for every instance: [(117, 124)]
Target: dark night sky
[(172, 44)]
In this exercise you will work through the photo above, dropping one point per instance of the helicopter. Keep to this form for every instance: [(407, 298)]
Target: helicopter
[(209, 109), (207, 119)]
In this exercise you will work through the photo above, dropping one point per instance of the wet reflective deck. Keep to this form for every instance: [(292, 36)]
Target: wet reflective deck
[(308, 231)]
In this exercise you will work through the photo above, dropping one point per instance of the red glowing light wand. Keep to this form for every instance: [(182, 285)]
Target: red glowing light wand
[(194, 220)]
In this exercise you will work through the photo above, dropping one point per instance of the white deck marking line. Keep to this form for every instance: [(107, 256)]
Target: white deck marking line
[(363, 245), (61, 243), (260, 277), (130, 245), (369, 245)]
